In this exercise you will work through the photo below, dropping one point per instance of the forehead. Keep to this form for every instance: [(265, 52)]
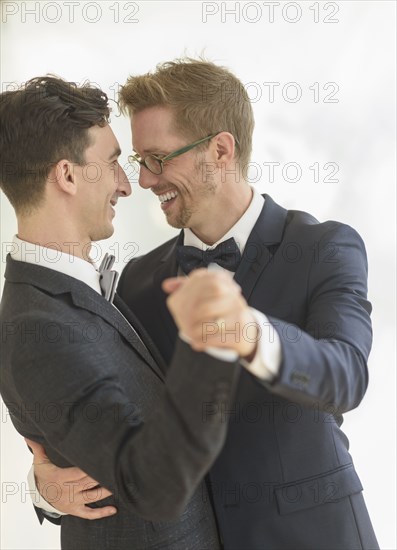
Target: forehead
[(153, 129), (103, 142)]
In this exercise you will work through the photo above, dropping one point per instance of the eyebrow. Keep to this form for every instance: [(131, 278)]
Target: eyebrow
[(116, 153), (151, 151)]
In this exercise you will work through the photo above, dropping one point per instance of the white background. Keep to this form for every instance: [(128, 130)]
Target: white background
[(353, 53)]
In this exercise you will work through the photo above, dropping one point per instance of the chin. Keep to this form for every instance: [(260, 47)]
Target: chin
[(175, 223), (103, 233), (180, 221), (109, 233)]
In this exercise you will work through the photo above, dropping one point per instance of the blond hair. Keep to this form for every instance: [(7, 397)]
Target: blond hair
[(205, 98)]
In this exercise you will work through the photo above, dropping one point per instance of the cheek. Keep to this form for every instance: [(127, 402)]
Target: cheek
[(112, 180), (187, 181)]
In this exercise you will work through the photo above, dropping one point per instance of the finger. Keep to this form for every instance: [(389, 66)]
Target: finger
[(86, 512), (222, 306), (88, 482), (212, 289), (212, 318), (203, 272), (62, 475), (81, 479), (172, 284), (95, 495), (208, 276), (38, 450)]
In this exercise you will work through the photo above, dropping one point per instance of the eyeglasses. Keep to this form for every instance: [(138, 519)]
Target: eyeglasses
[(155, 164)]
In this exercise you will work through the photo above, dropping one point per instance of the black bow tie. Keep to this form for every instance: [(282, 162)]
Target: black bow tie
[(226, 254), (108, 279)]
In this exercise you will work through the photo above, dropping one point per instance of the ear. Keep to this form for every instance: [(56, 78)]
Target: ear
[(224, 147), (63, 174)]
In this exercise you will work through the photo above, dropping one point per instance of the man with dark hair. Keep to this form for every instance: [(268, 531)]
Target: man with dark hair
[(78, 372), (59, 113)]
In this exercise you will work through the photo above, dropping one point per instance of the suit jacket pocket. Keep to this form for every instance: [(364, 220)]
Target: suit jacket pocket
[(314, 491)]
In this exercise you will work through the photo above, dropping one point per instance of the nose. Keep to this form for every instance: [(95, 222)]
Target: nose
[(147, 179), (124, 186)]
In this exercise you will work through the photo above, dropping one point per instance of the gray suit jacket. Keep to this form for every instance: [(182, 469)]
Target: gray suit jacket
[(77, 379)]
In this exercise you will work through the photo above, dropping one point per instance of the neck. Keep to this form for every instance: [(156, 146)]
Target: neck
[(39, 231), (222, 216)]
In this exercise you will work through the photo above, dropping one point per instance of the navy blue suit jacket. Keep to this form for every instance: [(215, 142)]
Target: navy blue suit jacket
[(285, 478)]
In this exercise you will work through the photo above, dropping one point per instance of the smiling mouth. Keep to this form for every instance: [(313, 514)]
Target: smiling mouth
[(167, 197)]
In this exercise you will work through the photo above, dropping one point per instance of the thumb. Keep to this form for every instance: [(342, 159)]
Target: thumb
[(173, 283), (38, 450)]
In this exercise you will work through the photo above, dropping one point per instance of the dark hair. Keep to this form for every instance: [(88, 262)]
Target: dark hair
[(42, 122)]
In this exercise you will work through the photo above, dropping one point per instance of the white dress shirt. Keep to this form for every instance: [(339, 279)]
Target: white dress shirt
[(52, 258)]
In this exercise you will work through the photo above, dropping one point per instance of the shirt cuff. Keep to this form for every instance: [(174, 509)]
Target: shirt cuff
[(38, 500), (266, 363)]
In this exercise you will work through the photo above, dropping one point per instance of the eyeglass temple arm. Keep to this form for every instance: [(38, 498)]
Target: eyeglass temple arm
[(188, 147)]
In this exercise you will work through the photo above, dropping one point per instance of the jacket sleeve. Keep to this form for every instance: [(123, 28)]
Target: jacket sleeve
[(324, 363), (85, 418)]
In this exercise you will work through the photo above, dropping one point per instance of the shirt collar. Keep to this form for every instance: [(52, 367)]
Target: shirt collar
[(240, 231), (56, 260)]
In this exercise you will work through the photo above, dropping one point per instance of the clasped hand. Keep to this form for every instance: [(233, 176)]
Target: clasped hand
[(209, 309)]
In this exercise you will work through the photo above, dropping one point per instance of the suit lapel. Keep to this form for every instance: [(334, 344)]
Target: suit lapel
[(261, 245), (99, 306), (168, 268), (82, 296)]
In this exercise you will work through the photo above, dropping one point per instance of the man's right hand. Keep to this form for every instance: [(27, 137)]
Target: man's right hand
[(69, 490)]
